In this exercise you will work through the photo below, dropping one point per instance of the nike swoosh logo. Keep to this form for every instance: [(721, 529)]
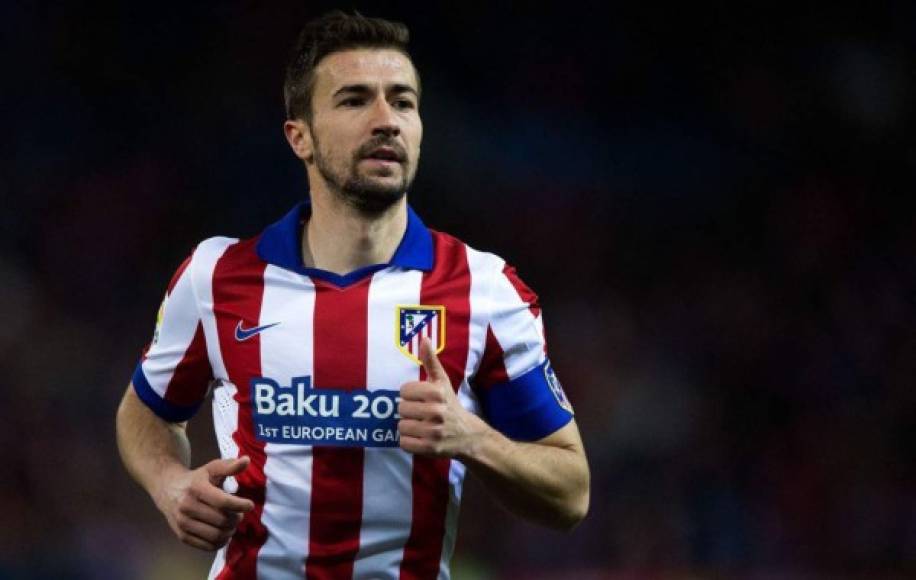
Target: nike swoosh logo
[(246, 333)]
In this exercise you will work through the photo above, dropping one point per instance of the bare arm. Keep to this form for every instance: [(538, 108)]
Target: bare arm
[(546, 481), (158, 455), (149, 446)]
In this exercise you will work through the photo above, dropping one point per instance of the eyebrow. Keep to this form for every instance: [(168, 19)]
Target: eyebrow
[(364, 89)]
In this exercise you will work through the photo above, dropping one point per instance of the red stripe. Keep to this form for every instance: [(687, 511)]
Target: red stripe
[(524, 292), (492, 369), (238, 289), (189, 383), (340, 344), (448, 284)]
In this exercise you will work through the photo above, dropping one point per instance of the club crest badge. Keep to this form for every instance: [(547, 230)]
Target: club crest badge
[(556, 388), (412, 322)]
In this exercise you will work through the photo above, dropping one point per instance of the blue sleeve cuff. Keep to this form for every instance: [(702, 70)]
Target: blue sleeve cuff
[(168, 411), (527, 408)]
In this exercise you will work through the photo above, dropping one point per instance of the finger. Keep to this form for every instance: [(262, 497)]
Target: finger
[(208, 537), (220, 469), (420, 446), (219, 499), (413, 444), (421, 411), (202, 531), (196, 542), (421, 391), (202, 512), (413, 428), (434, 370)]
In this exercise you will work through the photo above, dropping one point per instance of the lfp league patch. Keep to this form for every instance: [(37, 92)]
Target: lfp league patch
[(556, 388), (159, 316), (413, 322)]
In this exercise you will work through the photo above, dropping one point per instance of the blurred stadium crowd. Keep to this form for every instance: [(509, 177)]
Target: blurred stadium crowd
[(716, 210)]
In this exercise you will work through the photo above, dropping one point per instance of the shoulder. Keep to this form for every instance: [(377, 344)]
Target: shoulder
[(208, 251), (492, 275), (204, 258), (481, 264)]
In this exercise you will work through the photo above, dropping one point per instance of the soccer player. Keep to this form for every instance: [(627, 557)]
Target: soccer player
[(359, 362)]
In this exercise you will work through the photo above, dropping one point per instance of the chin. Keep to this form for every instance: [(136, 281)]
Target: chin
[(373, 197)]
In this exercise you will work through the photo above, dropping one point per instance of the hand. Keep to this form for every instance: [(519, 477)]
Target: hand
[(200, 513), (433, 422)]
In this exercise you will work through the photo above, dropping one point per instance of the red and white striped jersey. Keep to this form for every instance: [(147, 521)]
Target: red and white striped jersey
[(305, 368)]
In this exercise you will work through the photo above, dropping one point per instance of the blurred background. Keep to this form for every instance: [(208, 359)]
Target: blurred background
[(715, 206)]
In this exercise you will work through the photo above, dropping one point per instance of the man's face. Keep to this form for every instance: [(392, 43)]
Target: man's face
[(365, 126)]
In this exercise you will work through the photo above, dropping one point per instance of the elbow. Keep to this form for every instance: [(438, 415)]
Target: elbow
[(581, 508), (575, 512), (581, 498), (574, 508)]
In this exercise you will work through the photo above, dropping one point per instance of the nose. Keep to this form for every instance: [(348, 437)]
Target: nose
[(385, 121)]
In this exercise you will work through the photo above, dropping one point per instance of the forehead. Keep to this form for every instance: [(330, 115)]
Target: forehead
[(363, 66)]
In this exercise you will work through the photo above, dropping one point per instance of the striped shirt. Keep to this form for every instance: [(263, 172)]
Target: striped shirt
[(305, 367)]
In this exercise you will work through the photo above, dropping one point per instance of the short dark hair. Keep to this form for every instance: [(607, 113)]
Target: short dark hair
[(334, 32)]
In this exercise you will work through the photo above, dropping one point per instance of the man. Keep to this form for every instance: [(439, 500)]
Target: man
[(359, 362)]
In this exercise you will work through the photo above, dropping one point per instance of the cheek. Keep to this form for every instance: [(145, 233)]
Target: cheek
[(416, 137), (337, 151), (333, 141)]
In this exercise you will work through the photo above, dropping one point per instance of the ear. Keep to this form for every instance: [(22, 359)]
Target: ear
[(299, 136)]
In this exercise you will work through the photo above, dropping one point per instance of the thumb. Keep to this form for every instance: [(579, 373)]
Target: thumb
[(434, 370), (220, 469)]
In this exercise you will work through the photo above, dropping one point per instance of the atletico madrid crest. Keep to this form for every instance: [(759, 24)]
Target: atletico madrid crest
[(416, 321)]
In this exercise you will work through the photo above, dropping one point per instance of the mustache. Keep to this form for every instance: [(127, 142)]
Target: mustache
[(371, 146)]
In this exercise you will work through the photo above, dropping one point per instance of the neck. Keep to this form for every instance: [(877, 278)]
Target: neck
[(340, 239)]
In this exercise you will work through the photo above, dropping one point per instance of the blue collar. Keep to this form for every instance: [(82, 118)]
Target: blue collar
[(281, 245)]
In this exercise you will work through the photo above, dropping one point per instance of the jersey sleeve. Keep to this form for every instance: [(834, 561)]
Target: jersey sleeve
[(518, 389), (174, 373)]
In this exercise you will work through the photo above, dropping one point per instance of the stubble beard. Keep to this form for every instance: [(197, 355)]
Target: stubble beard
[(363, 193)]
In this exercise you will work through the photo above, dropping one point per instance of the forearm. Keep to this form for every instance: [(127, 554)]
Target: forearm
[(542, 482), (149, 446)]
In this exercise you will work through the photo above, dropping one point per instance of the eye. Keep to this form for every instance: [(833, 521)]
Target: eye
[(403, 104), (352, 102)]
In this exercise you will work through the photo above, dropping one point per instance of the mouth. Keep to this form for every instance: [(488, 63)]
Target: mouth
[(385, 155)]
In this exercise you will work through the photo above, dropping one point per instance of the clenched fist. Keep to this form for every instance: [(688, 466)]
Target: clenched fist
[(200, 513)]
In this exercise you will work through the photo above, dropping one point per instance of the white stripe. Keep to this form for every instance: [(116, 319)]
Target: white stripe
[(225, 423), (456, 474), (286, 352), (225, 408), (218, 562), (387, 483), (206, 256), (480, 265), (518, 332), (180, 316)]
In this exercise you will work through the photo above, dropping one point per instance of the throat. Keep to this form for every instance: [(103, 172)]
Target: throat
[(344, 241)]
